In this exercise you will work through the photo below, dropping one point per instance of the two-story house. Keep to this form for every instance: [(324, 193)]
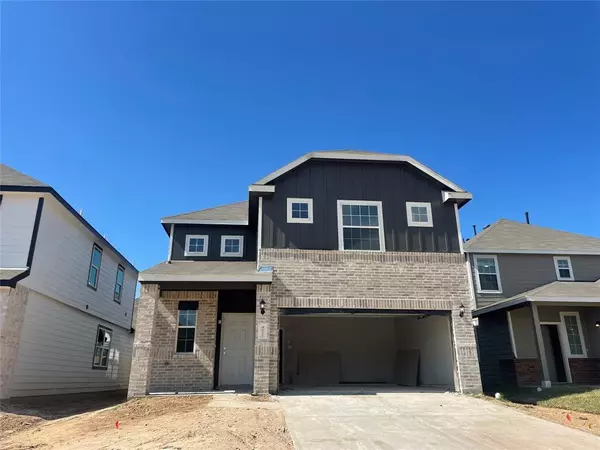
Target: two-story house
[(340, 267), (66, 296), (537, 294)]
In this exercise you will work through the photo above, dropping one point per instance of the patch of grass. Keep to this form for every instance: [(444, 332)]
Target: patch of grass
[(573, 398)]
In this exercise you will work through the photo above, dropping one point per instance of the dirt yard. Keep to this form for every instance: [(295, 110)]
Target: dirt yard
[(215, 422)]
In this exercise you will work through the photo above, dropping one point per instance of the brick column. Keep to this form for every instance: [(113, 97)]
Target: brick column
[(465, 346), (265, 343), (139, 378), (13, 302)]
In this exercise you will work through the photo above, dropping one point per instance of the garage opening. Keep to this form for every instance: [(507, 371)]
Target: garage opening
[(329, 348)]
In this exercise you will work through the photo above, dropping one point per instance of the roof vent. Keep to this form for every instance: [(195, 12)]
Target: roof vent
[(527, 217), (486, 227)]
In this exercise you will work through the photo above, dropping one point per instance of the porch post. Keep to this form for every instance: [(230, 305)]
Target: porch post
[(540, 346), (139, 378), (264, 347)]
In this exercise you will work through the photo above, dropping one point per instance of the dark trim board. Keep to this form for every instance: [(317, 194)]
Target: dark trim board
[(348, 311)]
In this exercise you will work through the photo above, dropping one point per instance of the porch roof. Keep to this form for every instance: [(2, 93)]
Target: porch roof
[(211, 271), (557, 291)]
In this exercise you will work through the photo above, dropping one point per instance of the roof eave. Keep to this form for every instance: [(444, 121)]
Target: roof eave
[(532, 252), (167, 221), (259, 277)]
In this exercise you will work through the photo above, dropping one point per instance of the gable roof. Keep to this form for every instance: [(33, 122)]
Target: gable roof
[(557, 291), (230, 214), (12, 177), (359, 155), (508, 236)]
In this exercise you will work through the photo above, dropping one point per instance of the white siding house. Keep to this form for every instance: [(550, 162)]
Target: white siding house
[(61, 331)]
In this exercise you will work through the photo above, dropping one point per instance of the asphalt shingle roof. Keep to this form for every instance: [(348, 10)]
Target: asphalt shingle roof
[(204, 271), (231, 211), (12, 177), (506, 235)]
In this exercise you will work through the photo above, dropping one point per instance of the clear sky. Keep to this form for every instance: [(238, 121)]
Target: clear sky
[(135, 111)]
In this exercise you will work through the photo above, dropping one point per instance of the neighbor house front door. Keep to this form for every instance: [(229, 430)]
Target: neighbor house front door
[(236, 366)]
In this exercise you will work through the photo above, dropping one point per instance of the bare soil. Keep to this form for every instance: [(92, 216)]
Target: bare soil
[(215, 422)]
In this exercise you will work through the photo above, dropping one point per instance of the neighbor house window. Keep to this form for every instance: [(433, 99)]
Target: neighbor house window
[(94, 273), (360, 225), (419, 214), (232, 246), (102, 348), (564, 271), (488, 274), (196, 245), (299, 210), (186, 326), (119, 283), (572, 326)]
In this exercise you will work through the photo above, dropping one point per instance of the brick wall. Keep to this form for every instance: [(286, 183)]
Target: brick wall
[(374, 280), (585, 370), (528, 371), (156, 366), (13, 302)]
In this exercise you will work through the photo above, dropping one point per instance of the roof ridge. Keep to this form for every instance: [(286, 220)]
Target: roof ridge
[(549, 229)]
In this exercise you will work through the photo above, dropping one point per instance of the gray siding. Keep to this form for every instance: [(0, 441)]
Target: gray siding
[(214, 233), (328, 181), (521, 272), (522, 323)]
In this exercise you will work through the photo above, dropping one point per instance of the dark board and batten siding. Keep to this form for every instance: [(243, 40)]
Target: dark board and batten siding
[(326, 182), (214, 233)]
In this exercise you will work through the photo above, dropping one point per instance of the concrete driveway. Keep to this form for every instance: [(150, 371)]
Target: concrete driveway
[(412, 419)]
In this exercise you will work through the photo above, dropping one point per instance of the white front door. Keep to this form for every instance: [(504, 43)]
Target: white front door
[(236, 365)]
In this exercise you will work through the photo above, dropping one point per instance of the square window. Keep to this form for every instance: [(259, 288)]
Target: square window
[(419, 214), (232, 246), (196, 245), (299, 210)]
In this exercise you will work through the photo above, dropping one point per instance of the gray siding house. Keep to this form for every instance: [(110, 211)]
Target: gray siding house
[(537, 304), (340, 267)]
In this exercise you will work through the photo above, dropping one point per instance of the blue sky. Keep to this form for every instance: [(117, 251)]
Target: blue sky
[(134, 111)]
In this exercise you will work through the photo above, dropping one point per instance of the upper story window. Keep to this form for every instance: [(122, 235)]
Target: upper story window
[(119, 283), (360, 225), (232, 246), (299, 210), (564, 271), (488, 274), (186, 327), (94, 272), (196, 245), (419, 214), (575, 340), (102, 347)]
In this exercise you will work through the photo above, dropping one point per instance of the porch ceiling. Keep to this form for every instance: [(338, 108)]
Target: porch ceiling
[(206, 271)]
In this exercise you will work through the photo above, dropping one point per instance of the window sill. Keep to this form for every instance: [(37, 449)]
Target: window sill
[(99, 368), (489, 292), (357, 250), (420, 225), (95, 288)]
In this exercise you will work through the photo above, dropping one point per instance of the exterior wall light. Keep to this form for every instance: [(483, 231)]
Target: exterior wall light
[(598, 324), (262, 307), (461, 310)]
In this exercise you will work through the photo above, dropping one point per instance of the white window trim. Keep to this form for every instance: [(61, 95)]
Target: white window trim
[(196, 236), (495, 258), (230, 254), (103, 347), (95, 286), (426, 205), (308, 201), (186, 326), (558, 277), (341, 227), (566, 336), (120, 268), (512, 334)]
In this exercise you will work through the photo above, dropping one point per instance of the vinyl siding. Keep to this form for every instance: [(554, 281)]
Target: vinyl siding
[(214, 233), (493, 343), (61, 264), (17, 215), (520, 273), (56, 351), (326, 182), (522, 322)]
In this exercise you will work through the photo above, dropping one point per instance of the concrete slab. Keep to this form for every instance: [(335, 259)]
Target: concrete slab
[(383, 419)]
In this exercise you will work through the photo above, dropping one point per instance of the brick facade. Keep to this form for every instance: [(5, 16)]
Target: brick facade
[(528, 371), (585, 370), (13, 302), (378, 280)]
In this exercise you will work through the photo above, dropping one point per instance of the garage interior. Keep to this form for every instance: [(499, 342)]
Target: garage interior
[(329, 348)]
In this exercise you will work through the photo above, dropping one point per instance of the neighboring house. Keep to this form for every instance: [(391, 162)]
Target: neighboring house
[(537, 294), (341, 267), (66, 296)]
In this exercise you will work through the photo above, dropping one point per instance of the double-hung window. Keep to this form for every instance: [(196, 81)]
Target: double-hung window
[(564, 271), (94, 272), (196, 245), (360, 225), (418, 214), (575, 340), (186, 326), (102, 347), (232, 246), (119, 283), (299, 210), (488, 274)]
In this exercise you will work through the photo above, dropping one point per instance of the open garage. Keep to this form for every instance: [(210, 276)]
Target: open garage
[(328, 348)]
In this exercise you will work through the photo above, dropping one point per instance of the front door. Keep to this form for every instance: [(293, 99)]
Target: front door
[(236, 366)]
